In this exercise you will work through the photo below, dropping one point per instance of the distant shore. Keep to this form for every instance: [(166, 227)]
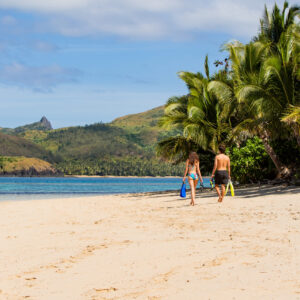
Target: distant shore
[(90, 176), (110, 176)]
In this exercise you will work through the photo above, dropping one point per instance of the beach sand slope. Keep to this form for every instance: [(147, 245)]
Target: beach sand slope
[(152, 246)]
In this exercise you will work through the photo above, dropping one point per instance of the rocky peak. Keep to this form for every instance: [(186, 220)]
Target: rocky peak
[(44, 121)]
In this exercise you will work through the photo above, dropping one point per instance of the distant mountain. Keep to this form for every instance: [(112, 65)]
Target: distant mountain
[(134, 135), (92, 141), (42, 125), (126, 146)]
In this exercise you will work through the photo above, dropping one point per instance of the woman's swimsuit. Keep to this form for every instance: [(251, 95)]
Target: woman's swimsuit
[(193, 176)]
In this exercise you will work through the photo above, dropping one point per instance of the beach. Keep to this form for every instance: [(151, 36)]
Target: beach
[(152, 246)]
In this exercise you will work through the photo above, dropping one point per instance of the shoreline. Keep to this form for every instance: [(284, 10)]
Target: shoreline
[(89, 176), (111, 176), (175, 192)]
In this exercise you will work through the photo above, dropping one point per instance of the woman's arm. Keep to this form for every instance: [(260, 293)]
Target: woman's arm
[(186, 169), (199, 172)]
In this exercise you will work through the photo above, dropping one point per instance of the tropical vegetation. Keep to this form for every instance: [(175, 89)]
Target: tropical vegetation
[(256, 96)]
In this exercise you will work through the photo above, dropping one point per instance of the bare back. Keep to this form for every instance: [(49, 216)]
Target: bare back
[(222, 162)]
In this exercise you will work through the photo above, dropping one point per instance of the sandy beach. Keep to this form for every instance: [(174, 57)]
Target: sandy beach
[(152, 246)]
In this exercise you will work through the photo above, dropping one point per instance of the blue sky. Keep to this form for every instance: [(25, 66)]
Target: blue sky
[(84, 61)]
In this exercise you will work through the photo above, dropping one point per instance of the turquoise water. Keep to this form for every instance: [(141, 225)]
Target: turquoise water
[(12, 187)]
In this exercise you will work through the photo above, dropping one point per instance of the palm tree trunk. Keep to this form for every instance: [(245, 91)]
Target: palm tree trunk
[(282, 170), (295, 128)]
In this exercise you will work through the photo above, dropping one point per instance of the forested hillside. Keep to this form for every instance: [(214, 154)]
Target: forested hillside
[(25, 166), (125, 147), (11, 145)]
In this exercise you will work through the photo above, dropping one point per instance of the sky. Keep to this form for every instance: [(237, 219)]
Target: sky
[(79, 62)]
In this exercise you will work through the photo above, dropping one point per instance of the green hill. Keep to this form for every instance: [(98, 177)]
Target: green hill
[(25, 166), (16, 146), (145, 126), (125, 146), (147, 119), (92, 141)]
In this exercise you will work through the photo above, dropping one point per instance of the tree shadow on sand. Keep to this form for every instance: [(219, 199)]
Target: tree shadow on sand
[(251, 191)]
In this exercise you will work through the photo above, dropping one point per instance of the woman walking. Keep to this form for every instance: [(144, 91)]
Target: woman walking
[(193, 170)]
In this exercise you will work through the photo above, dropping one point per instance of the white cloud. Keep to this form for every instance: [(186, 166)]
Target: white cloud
[(40, 79), (146, 19)]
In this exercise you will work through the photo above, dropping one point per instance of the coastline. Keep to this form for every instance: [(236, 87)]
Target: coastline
[(111, 176), (153, 246)]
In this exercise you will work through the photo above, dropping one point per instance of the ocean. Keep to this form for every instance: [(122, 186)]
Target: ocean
[(13, 188)]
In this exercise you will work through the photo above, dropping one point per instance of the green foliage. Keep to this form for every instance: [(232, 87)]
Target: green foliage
[(288, 152), (250, 162), (258, 96), (17, 146), (125, 166), (25, 166), (92, 141)]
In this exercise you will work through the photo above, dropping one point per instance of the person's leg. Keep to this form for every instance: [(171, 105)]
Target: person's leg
[(191, 183), (223, 192), (224, 182), (218, 192), (195, 187)]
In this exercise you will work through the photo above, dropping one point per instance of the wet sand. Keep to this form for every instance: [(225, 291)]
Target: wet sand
[(152, 246)]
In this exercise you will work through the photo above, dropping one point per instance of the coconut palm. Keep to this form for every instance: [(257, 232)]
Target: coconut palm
[(203, 118), (255, 89), (282, 74), (274, 23), (292, 118)]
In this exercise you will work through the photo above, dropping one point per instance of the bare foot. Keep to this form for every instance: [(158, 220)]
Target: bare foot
[(220, 199), (192, 203)]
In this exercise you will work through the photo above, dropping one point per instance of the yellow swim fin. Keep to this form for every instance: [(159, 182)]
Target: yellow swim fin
[(229, 184), (231, 188)]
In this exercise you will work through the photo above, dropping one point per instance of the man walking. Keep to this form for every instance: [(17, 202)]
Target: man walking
[(221, 171)]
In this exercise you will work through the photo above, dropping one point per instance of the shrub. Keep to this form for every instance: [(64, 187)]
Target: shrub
[(250, 162)]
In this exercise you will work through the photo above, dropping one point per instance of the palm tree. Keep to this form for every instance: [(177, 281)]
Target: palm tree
[(292, 118), (204, 120), (273, 24), (259, 106), (175, 148), (282, 74)]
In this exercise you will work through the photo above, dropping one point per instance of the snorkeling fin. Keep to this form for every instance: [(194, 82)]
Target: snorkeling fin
[(229, 184), (183, 190), (231, 188)]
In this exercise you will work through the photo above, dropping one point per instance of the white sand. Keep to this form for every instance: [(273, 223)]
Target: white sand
[(152, 247)]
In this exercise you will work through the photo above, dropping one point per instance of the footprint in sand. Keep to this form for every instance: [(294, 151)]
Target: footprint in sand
[(30, 278), (111, 289), (216, 262)]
